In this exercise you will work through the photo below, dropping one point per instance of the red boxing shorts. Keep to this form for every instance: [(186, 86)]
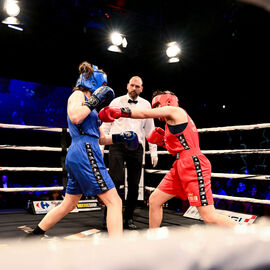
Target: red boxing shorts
[(190, 178)]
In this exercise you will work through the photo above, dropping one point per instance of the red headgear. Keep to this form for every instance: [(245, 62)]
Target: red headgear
[(165, 99)]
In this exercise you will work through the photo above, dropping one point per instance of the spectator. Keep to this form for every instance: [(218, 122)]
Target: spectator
[(55, 195), (253, 192), (217, 188), (266, 194), (241, 190), (229, 188)]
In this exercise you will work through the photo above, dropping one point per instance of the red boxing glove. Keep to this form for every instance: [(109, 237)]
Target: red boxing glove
[(157, 137), (108, 114)]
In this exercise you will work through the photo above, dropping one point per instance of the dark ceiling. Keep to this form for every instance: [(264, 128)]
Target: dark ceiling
[(225, 47)]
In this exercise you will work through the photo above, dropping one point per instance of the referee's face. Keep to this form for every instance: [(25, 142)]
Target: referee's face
[(134, 87)]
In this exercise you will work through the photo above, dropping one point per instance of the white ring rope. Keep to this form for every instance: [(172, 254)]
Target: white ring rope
[(31, 189), (231, 128), (241, 199), (222, 175), (39, 169), (216, 175), (59, 149), (219, 175), (203, 130), (230, 198), (214, 152), (241, 176), (43, 128), (237, 151), (30, 148)]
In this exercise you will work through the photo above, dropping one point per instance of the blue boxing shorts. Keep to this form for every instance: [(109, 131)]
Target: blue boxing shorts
[(87, 173)]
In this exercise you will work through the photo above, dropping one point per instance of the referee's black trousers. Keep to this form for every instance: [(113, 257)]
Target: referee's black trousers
[(118, 155)]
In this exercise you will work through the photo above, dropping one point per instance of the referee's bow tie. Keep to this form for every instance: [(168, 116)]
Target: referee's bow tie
[(132, 101)]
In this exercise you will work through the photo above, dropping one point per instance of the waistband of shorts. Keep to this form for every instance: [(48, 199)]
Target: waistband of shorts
[(188, 153)]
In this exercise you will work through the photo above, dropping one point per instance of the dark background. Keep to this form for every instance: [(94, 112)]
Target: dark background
[(224, 60)]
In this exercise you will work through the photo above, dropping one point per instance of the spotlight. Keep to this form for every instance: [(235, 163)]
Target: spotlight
[(12, 9), (116, 38), (124, 42), (118, 41), (11, 20), (173, 51), (114, 48), (173, 60)]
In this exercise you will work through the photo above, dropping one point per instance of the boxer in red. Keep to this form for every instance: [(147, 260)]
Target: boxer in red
[(190, 175)]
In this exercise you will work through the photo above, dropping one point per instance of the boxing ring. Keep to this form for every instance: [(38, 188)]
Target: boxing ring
[(233, 176), (193, 247)]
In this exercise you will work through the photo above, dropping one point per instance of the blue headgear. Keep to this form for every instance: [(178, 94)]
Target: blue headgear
[(97, 79)]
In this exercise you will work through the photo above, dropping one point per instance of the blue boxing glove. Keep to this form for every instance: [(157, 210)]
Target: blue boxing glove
[(128, 138), (103, 94)]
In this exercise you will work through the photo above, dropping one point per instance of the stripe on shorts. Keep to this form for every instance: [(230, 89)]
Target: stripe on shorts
[(95, 169), (200, 180)]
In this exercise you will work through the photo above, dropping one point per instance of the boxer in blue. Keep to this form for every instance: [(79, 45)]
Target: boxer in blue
[(87, 173)]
